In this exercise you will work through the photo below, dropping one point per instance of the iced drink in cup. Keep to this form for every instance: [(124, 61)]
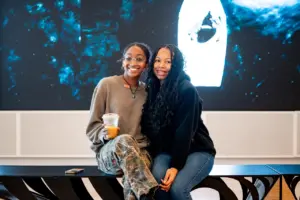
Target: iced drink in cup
[(111, 121)]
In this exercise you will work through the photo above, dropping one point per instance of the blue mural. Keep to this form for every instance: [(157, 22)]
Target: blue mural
[(54, 52)]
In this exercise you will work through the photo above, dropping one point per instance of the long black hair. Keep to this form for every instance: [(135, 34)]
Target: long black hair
[(161, 101)]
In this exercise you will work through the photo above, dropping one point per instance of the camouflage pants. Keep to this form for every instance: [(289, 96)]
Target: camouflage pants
[(123, 156)]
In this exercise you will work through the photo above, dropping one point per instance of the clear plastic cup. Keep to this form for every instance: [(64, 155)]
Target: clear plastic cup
[(111, 121)]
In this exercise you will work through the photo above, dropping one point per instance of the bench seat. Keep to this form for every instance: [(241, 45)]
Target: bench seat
[(16, 180)]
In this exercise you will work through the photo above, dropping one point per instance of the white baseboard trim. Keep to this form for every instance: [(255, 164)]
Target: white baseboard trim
[(295, 134), (48, 161), (93, 156), (18, 134), (47, 156), (255, 156), (92, 161)]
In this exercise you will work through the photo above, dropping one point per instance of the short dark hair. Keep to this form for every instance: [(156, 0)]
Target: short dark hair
[(145, 48)]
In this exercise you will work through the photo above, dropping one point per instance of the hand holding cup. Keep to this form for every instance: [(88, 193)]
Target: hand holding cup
[(112, 132), (111, 121)]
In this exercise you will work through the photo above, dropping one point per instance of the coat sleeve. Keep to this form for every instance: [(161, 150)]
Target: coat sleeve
[(185, 122), (95, 129)]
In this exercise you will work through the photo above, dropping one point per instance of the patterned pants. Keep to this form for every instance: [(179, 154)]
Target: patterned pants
[(123, 156)]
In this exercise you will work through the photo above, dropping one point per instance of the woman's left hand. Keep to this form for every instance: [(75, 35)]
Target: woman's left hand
[(169, 179)]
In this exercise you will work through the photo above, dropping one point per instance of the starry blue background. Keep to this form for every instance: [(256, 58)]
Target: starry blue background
[(54, 52)]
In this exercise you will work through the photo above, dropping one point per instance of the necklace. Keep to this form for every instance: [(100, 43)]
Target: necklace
[(133, 92)]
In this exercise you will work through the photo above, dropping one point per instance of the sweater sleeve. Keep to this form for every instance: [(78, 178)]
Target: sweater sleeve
[(95, 129), (185, 126)]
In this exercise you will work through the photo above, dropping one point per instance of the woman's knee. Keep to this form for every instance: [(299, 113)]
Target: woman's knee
[(158, 172), (125, 139), (160, 166), (162, 158)]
